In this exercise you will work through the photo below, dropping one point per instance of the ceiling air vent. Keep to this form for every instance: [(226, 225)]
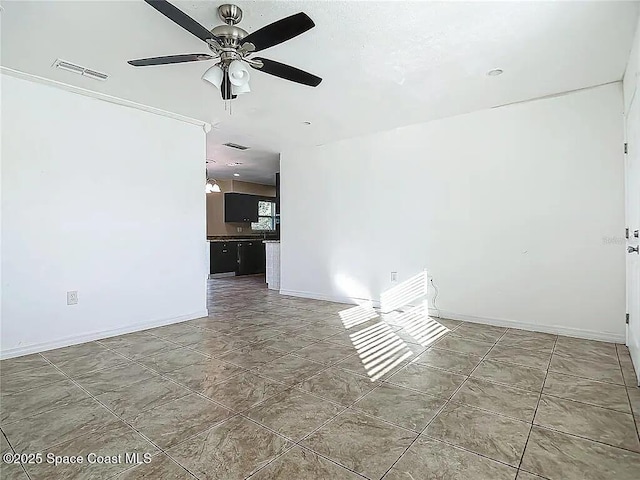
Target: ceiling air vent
[(85, 72), (236, 146)]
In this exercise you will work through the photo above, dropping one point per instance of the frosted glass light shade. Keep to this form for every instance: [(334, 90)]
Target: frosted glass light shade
[(214, 76), (238, 73)]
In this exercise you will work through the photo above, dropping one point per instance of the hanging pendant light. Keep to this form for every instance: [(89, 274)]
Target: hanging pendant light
[(212, 187)]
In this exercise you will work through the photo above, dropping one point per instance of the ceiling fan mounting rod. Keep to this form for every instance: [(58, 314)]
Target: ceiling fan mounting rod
[(230, 14)]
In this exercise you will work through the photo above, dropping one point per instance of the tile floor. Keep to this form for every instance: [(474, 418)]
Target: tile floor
[(274, 387)]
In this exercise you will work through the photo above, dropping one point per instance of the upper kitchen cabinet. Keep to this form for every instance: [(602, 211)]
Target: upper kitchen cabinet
[(240, 208)]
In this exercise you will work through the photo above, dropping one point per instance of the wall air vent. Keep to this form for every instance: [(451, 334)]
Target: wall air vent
[(235, 145), (85, 72)]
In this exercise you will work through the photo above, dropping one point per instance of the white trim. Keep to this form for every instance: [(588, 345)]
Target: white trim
[(89, 337), (634, 350), (104, 97), (533, 327), (329, 298)]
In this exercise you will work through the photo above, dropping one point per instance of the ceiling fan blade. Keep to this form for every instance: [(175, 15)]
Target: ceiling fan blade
[(280, 31), (287, 72), (185, 21), (192, 57)]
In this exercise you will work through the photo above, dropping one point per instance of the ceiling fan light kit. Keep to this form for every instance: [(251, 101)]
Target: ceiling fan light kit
[(233, 46)]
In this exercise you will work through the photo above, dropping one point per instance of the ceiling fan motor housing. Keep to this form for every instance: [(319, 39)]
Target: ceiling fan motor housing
[(231, 34)]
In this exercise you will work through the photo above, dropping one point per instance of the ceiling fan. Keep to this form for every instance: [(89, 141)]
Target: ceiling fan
[(233, 46)]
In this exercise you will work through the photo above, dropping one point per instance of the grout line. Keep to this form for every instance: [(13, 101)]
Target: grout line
[(633, 414), (535, 413)]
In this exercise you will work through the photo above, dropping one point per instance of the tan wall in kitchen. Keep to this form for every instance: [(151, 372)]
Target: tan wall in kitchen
[(215, 206)]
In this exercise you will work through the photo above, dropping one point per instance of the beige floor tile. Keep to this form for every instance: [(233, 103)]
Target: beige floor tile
[(169, 360), (235, 449), (169, 332), (511, 374), (361, 443), (38, 400), (203, 376), (252, 357), (28, 379), (510, 401), (586, 368), (144, 348), (288, 342), (290, 369), (12, 472), (131, 400), (455, 362), (497, 437), (595, 423), (111, 379), (44, 430), (107, 443), (529, 358), (61, 355), (302, 464), (326, 352), (21, 364), (171, 423), (558, 456), (380, 361), (522, 475), (339, 386), (477, 331), (585, 348), (161, 467), (463, 345), (293, 413), (430, 459), (587, 391), (628, 371), (244, 390), (543, 342), (403, 407), (427, 380)]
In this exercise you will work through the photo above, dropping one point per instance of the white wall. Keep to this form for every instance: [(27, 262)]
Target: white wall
[(516, 212), (102, 199)]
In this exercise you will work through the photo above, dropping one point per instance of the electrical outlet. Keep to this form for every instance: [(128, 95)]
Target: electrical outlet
[(394, 276), (72, 297), (239, 229)]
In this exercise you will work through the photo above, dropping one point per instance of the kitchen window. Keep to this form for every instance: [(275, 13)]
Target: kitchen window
[(266, 216)]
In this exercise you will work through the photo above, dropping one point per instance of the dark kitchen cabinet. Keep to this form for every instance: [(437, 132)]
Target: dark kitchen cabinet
[(240, 208), (251, 257), (242, 257), (223, 257)]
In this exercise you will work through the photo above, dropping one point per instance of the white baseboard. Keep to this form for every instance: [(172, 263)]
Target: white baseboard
[(533, 327), (634, 350), (89, 337), (329, 298)]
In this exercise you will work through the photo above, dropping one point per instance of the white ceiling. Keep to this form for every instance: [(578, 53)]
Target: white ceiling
[(384, 64)]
